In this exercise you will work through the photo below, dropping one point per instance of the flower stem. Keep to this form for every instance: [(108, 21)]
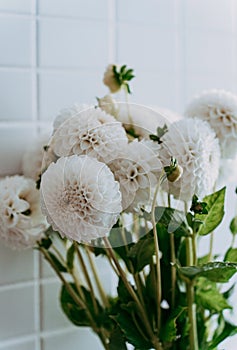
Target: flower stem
[(173, 261), (211, 246), (131, 291), (87, 277), (192, 317), (98, 283), (158, 271)]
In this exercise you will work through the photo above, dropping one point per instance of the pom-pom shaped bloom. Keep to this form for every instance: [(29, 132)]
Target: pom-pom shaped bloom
[(219, 108), (68, 113), (33, 157), (110, 79), (137, 170), (21, 221), (93, 132), (195, 147), (80, 198)]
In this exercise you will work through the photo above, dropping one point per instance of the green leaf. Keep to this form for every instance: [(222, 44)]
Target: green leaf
[(45, 243), (60, 266), (214, 271), (228, 331), (233, 225), (123, 294), (231, 255), (117, 340), (141, 253), (173, 219), (131, 332), (169, 330), (70, 257), (215, 208), (209, 297)]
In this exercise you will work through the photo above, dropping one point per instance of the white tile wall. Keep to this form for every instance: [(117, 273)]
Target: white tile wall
[(52, 54)]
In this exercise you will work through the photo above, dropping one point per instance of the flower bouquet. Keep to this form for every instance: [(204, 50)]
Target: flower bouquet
[(137, 187)]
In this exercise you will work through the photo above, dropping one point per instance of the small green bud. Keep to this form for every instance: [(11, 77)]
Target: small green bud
[(174, 171)]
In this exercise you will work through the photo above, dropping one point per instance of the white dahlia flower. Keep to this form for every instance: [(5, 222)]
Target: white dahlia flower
[(21, 221), (194, 145), (93, 132), (68, 113), (33, 157), (108, 104), (219, 108), (80, 198), (137, 169)]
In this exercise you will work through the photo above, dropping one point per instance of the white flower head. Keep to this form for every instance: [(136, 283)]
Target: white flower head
[(80, 198), (110, 79), (68, 113), (194, 145), (219, 108), (21, 221), (137, 170), (33, 157), (109, 105), (92, 132)]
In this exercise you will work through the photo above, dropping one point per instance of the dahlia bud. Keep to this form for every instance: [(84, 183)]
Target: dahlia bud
[(108, 104), (110, 79), (174, 171)]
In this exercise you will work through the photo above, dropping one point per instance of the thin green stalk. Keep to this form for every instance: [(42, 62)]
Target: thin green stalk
[(211, 246), (192, 317), (97, 280), (157, 253), (87, 277), (173, 261), (121, 274)]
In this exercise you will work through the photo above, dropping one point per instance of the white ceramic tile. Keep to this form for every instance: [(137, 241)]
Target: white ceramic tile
[(53, 316), (28, 345), (19, 6), (20, 266), (15, 41), (209, 52), (146, 47), (72, 43), (196, 83), (79, 8), (81, 338), (16, 96), (152, 11), (62, 90), (13, 143), (17, 312), (156, 89), (209, 14)]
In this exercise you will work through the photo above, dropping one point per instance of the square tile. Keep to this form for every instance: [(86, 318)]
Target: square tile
[(13, 143), (74, 8), (61, 90), (153, 11), (209, 52), (81, 338), (15, 266), (16, 95), (209, 14), (19, 6), (72, 43), (17, 310), (15, 41), (146, 47)]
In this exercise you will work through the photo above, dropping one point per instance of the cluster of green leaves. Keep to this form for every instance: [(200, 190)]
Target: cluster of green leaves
[(122, 320), (123, 76)]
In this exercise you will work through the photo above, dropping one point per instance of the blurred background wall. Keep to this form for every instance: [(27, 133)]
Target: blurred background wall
[(53, 53)]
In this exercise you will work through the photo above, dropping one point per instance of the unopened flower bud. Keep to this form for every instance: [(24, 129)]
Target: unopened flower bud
[(110, 79), (176, 174), (108, 104)]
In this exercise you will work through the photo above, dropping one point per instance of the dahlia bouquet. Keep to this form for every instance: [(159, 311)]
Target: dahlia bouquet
[(138, 188)]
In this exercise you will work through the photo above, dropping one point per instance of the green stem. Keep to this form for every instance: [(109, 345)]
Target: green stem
[(142, 312), (97, 280), (157, 253), (173, 261), (211, 246), (87, 277), (192, 317)]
